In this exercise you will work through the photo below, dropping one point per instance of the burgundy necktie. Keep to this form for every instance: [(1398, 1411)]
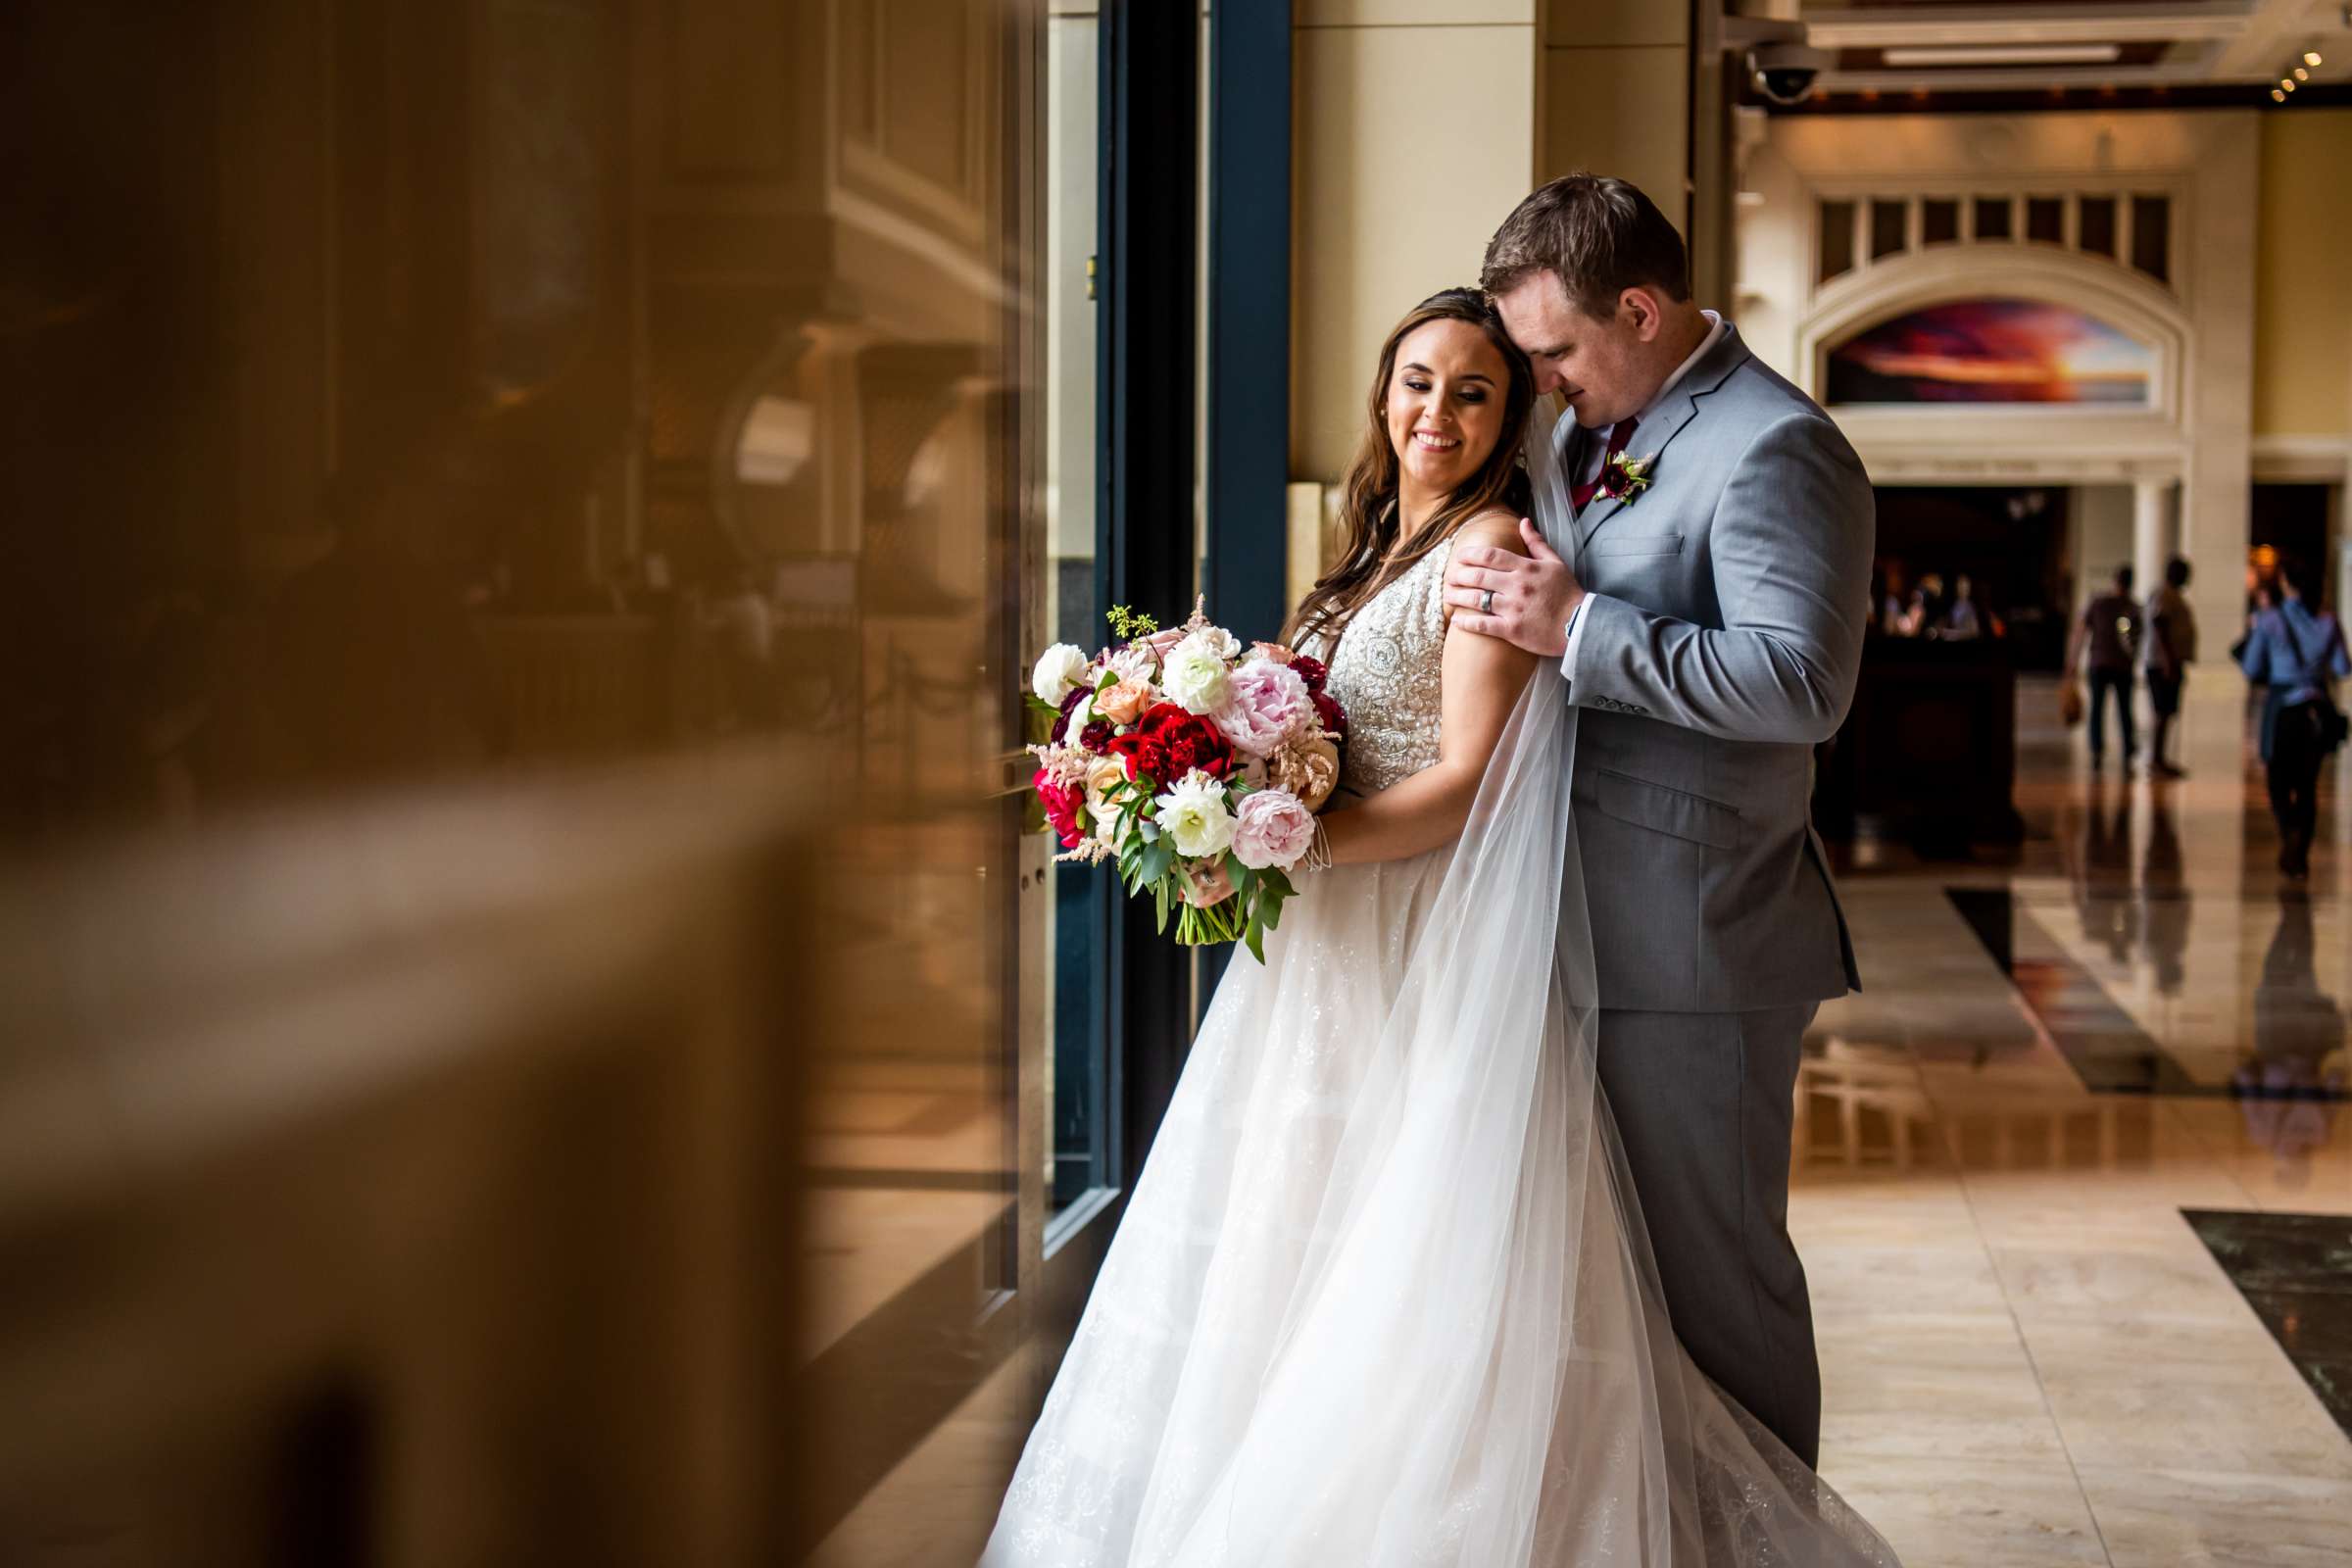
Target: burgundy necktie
[(1619, 435)]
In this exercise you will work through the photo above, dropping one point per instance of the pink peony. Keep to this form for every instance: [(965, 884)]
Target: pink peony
[(1267, 705), (1271, 827)]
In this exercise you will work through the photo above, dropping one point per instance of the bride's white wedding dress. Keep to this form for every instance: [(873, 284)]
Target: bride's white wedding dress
[(1382, 1295)]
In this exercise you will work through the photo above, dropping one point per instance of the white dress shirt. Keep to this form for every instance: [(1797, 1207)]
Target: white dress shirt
[(1596, 454)]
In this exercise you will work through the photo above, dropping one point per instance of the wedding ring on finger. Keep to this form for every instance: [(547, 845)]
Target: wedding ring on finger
[(1485, 601)]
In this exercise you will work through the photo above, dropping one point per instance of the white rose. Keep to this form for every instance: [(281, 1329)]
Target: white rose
[(1102, 776), (1059, 669), (1194, 675), (1193, 815)]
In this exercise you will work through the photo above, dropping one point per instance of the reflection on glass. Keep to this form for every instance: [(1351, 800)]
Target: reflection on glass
[(1836, 243), (515, 526), (2152, 235), (1073, 977), (2094, 218), (1887, 227)]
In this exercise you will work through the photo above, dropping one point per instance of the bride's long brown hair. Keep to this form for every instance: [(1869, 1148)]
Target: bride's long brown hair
[(1368, 510)]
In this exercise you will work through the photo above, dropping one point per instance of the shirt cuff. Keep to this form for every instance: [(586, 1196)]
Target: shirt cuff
[(1575, 633)]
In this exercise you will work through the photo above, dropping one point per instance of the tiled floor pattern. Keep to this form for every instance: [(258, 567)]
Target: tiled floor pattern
[(2030, 1355), (2296, 1270)]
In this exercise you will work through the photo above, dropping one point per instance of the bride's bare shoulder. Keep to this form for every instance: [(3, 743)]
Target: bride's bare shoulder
[(1497, 526)]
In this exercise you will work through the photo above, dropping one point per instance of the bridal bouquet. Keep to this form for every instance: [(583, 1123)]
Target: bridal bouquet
[(1180, 753)]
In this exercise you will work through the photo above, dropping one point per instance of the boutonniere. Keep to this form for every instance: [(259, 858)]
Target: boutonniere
[(1622, 478)]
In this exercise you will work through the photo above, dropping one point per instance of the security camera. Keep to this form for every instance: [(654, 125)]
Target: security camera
[(1784, 71)]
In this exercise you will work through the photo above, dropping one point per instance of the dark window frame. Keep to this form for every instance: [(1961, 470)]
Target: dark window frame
[(1144, 543)]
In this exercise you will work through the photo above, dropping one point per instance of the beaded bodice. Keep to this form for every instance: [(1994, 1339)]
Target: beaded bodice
[(1384, 676)]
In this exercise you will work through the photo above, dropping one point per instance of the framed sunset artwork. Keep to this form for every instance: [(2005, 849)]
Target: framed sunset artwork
[(1992, 351)]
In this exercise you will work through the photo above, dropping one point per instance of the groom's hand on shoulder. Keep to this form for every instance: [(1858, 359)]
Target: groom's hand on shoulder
[(1534, 592)]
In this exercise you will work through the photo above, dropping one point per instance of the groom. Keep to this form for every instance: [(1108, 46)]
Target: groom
[(1708, 617)]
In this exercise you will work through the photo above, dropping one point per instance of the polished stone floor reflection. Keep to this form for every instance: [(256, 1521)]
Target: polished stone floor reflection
[(2072, 1162), (2063, 1181)]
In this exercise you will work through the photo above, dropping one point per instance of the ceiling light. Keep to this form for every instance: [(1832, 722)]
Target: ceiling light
[(2277, 95), (2311, 56), (2301, 75), (2005, 54), (2289, 82)]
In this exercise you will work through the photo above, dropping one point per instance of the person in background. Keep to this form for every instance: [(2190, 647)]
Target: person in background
[(2110, 630), (2296, 649), (1961, 622), (2172, 647), (1889, 604)]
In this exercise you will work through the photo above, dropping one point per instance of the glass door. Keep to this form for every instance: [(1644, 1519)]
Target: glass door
[(1068, 964)]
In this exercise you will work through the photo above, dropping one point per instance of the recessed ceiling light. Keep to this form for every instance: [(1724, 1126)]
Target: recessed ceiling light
[(2277, 95), (2302, 75), (2311, 56), (2021, 54), (2289, 82)]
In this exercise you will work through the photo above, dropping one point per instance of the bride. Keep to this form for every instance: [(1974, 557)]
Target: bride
[(1383, 1294)]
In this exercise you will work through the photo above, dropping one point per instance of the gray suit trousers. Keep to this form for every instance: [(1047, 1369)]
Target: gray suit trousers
[(1703, 1103)]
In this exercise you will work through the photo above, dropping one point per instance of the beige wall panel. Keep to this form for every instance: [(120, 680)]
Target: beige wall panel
[(1775, 260), (2302, 307), (1411, 13), (2102, 528), (1392, 202), (1620, 112), (1578, 24)]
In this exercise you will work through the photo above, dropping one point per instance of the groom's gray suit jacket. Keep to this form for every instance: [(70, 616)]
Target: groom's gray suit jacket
[(1719, 644)]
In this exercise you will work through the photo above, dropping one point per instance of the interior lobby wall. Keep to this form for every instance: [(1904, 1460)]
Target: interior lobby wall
[(2102, 540), (1616, 96), (1799, 297), (1416, 135), (2302, 302)]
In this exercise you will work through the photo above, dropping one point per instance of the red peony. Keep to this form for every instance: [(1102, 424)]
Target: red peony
[(1143, 756), (1167, 743), (1335, 719), (1311, 670)]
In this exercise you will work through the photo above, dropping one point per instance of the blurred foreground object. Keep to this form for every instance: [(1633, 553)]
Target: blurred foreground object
[(408, 1186)]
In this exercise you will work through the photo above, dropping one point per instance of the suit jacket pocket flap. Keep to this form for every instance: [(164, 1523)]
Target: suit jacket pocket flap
[(1667, 810), (1635, 544)]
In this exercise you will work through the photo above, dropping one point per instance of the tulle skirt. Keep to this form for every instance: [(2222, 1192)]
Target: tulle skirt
[(1379, 1297)]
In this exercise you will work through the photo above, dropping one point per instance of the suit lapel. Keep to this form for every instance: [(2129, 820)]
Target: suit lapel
[(1567, 444), (1654, 434)]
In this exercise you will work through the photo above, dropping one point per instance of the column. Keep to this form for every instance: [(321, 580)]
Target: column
[(1616, 101), (2217, 401), (1387, 208), (2103, 517), (2152, 540)]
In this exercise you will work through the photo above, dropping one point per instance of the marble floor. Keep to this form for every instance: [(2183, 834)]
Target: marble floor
[(2072, 1176), (2073, 1184)]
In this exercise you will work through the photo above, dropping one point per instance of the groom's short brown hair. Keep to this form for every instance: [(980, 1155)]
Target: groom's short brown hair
[(1599, 234)]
